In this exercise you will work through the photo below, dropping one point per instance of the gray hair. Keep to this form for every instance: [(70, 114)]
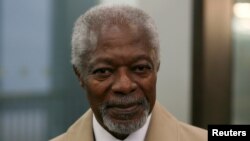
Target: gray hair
[(87, 26)]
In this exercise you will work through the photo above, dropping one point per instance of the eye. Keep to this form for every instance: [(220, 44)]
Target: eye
[(142, 69), (102, 72)]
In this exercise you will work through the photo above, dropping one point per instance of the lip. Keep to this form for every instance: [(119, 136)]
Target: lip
[(121, 113), (124, 109)]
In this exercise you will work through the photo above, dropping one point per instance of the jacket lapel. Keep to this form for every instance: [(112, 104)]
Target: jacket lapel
[(82, 130), (163, 126)]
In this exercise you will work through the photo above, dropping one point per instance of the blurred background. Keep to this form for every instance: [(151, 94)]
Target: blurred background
[(205, 63)]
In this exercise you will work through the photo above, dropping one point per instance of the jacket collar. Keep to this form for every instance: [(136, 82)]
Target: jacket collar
[(162, 126)]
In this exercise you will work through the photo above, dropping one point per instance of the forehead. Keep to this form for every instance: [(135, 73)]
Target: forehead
[(120, 34), (121, 40)]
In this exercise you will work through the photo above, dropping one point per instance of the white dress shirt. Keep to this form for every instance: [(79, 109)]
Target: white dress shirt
[(102, 135)]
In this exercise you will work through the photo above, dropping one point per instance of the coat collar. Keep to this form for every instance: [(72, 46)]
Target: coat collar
[(162, 126), (82, 129)]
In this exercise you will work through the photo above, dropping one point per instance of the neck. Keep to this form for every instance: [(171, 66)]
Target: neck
[(119, 136)]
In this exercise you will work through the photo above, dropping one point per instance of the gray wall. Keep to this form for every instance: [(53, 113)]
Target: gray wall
[(173, 18)]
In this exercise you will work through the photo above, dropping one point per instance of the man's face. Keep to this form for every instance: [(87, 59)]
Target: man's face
[(121, 79)]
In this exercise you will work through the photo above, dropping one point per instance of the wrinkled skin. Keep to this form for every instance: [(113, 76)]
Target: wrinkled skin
[(121, 72)]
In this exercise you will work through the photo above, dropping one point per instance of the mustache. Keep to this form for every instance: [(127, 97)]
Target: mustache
[(124, 100)]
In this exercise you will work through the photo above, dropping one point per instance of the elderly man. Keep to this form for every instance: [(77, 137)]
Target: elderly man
[(115, 55)]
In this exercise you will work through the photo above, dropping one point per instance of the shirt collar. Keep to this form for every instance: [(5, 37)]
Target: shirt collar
[(102, 135)]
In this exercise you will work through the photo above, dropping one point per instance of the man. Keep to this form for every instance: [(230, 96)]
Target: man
[(115, 55)]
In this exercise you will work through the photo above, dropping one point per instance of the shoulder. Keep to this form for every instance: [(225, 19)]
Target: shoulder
[(81, 129), (192, 133), (61, 137), (168, 126)]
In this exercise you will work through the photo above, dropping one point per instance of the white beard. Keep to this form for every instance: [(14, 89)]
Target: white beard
[(130, 126)]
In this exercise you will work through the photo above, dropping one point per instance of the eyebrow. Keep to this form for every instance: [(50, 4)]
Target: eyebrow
[(110, 60), (142, 57), (101, 60)]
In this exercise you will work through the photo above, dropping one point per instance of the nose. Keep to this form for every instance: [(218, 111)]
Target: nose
[(123, 84)]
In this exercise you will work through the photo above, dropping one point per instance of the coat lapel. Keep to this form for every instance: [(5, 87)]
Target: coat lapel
[(163, 126), (82, 130)]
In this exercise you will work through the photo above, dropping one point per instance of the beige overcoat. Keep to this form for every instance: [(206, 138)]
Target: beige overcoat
[(163, 127)]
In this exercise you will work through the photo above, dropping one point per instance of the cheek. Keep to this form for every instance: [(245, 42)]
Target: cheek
[(152, 92), (96, 91), (95, 87), (95, 95), (149, 89)]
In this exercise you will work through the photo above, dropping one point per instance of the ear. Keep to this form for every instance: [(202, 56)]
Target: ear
[(79, 76)]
